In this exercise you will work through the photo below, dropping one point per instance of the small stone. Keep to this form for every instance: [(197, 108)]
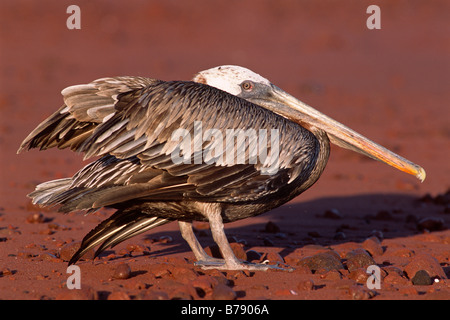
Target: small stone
[(332, 275), (358, 292), (377, 233), (332, 214), (183, 274), (165, 239), (267, 242), (314, 234), (384, 215), (238, 250), (36, 217), (271, 227), (223, 292), (408, 291), (154, 295), (340, 236), (422, 278), (306, 285), (85, 293), (253, 255), (373, 246), (66, 252), (443, 199), (359, 275), (183, 292), (425, 262), (359, 258), (427, 198), (119, 295), (273, 257), (394, 278), (430, 224), (160, 270), (325, 260), (123, 271), (204, 285)]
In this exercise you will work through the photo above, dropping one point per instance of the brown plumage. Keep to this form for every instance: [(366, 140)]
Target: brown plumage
[(128, 122)]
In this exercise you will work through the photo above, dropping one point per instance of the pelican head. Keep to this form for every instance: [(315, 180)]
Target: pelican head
[(250, 86)]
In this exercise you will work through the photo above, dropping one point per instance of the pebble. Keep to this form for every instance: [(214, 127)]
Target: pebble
[(394, 278), (358, 292), (422, 278), (408, 291), (268, 242), (306, 285), (153, 295), (36, 217), (340, 236), (332, 275), (424, 261), (119, 295), (430, 224), (253, 255), (204, 285), (384, 215), (85, 293), (273, 257), (183, 292), (332, 214), (159, 270), (325, 260), (238, 250), (223, 292), (359, 258), (271, 227), (123, 271), (183, 274), (67, 251), (359, 275), (373, 246)]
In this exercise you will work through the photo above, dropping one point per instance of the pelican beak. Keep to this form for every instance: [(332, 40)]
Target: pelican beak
[(288, 106)]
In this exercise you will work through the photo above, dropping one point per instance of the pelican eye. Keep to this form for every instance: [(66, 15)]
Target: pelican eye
[(247, 85)]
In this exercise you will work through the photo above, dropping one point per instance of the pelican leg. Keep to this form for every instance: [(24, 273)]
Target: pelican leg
[(230, 260), (202, 257)]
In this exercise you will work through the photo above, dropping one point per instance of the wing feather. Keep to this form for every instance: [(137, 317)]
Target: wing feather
[(128, 122)]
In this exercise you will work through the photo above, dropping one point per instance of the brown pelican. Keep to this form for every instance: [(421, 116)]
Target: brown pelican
[(128, 124)]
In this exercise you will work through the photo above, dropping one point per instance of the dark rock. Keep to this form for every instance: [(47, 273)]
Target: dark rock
[(85, 293), (123, 271), (271, 227), (332, 214), (325, 260), (359, 258), (384, 215), (119, 295), (223, 292), (430, 224), (340, 236), (306, 285), (253, 255), (373, 246), (422, 278)]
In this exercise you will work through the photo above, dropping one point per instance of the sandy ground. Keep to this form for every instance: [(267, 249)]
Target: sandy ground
[(389, 84)]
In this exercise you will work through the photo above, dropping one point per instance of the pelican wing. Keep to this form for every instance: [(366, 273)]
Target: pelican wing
[(129, 122)]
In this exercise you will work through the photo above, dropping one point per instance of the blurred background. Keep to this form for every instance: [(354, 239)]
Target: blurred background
[(391, 85)]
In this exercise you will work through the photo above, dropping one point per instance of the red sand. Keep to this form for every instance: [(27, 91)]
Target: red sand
[(389, 84)]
